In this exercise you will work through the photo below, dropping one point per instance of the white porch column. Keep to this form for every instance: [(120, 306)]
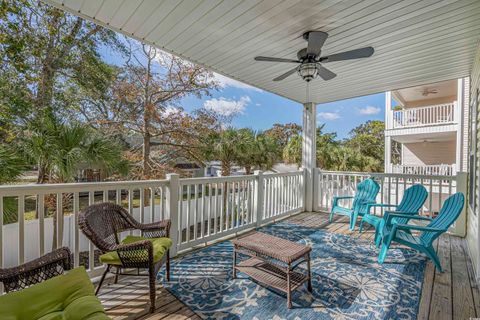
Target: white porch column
[(388, 154), (309, 150), (388, 110)]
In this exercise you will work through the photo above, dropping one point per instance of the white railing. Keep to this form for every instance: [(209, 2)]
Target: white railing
[(423, 116), (329, 184), (434, 170), (26, 239), (201, 210)]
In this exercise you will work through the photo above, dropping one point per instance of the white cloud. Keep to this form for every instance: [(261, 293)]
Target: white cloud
[(224, 82), (329, 115), (172, 110), (227, 107), (369, 110)]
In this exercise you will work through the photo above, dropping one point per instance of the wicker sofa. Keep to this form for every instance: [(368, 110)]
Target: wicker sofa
[(41, 289)]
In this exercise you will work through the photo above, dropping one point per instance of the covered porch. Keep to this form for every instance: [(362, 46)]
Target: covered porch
[(415, 43)]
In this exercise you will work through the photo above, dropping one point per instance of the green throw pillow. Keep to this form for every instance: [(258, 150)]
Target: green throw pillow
[(66, 297)]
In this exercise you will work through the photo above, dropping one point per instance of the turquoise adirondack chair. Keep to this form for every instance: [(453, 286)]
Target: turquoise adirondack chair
[(412, 201), (401, 232), (366, 193)]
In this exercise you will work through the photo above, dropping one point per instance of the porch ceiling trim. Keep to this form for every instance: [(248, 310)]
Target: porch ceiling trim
[(416, 42)]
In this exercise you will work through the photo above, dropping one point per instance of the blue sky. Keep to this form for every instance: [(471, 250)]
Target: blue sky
[(259, 110)]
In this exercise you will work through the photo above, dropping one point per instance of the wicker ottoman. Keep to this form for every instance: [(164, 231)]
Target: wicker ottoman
[(273, 262)]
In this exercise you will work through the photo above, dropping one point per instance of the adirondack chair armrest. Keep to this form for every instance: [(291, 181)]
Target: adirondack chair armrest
[(380, 205), (367, 202), (389, 215), (419, 228), (335, 199)]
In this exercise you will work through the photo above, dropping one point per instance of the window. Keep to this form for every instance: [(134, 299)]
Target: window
[(472, 159)]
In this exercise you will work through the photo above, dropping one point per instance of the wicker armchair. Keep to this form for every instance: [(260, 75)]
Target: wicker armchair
[(102, 223), (48, 266)]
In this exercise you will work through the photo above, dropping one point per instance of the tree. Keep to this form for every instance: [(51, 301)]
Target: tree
[(368, 141), (12, 165), (143, 100), (327, 149), (282, 133), (226, 146), (49, 51), (60, 149), (256, 150)]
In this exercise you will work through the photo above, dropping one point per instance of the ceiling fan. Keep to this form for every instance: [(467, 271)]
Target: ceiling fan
[(310, 61), (426, 91)]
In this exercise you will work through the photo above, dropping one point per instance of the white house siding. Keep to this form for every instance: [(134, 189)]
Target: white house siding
[(429, 102), (429, 153), (472, 219), (466, 117)]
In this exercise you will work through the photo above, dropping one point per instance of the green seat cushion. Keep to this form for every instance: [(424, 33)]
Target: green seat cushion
[(70, 296), (160, 246)]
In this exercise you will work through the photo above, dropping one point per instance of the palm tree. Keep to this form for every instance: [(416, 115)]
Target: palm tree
[(257, 150), (226, 147), (59, 150), (12, 165)]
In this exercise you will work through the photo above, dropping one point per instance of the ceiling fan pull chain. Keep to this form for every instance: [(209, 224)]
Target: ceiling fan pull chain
[(308, 91)]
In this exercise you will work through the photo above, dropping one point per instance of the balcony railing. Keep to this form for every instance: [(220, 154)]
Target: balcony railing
[(201, 209), (434, 170), (424, 116)]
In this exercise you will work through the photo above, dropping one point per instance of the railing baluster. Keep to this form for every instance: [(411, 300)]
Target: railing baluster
[(1, 235), (76, 230), (21, 229), (223, 204), (41, 223), (195, 212), (91, 247), (204, 209), (188, 212), (142, 205)]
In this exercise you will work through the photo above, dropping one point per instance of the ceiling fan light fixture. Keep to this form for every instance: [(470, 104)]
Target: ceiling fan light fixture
[(308, 71)]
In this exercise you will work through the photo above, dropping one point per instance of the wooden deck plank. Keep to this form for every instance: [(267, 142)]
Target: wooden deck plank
[(441, 304), (473, 282), (452, 294), (427, 288)]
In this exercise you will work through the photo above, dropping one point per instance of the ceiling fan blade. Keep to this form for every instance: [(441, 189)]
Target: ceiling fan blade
[(316, 39), (348, 55), (325, 74), (272, 59), (286, 74)]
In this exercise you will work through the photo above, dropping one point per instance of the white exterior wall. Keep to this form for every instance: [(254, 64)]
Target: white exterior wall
[(429, 153), (466, 119), (472, 218)]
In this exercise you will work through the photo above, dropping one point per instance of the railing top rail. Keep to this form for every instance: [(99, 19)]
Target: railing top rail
[(189, 181), (426, 107), (78, 187), (283, 174), (392, 175)]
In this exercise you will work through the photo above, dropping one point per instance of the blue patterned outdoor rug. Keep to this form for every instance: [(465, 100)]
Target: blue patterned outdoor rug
[(347, 281)]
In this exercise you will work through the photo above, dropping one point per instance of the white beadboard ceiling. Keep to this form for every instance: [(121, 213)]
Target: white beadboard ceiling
[(416, 41)]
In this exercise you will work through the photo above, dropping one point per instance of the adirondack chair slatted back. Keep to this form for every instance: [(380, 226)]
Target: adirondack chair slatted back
[(451, 209), (367, 190), (412, 201)]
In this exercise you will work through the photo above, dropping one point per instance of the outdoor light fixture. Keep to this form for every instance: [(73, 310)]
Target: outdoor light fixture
[(308, 71)]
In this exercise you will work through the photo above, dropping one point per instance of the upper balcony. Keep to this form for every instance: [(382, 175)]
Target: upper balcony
[(441, 114)]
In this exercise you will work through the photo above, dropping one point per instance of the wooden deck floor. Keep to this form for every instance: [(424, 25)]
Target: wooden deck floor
[(452, 294)]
